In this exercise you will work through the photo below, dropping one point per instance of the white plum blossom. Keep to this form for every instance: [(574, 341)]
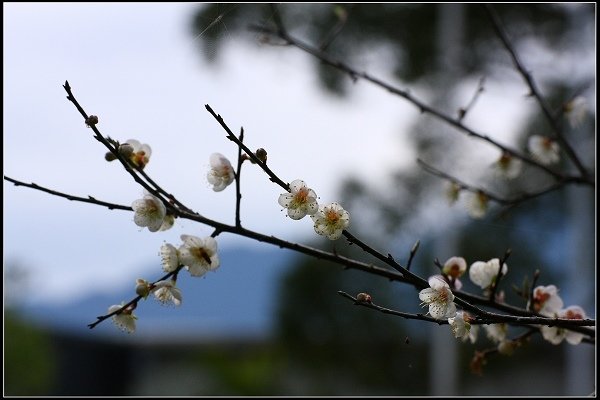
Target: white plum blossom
[(454, 268), (137, 153), (439, 298), (496, 332), (331, 220), (149, 212), (167, 223), (483, 274), (472, 336), (508, 167), (300, 201), (166, 292), (125, 320), (199, 255), (477, 204), (221, 172), (576, 110), (169, 256), (555, 334), (452, 192), (546, 300), (543, 149), (460, 326)]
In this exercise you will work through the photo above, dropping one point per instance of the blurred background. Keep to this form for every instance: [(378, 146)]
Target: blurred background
[(269, 321)]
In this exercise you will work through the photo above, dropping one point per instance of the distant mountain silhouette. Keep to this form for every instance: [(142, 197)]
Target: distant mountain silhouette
[(237, 300)]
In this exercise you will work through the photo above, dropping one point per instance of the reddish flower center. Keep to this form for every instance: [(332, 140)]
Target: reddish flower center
[(570, 314)]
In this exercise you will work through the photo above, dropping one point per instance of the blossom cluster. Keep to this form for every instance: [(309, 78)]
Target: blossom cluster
[(543, 149), (329, 220), (197, 255), (439, 299)]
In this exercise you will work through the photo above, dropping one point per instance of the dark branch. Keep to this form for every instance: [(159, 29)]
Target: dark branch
[(423, 108), (89, 199)]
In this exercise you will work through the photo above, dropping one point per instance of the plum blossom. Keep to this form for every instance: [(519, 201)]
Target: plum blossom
[(508, 167), (149, 212), (576, 110), (331, 220), (166, 292), (169, 256), (300, 201), (221, 172), (137, 153), (199, 255), (125, 320), (496, 332), (167, 223), (477, 204), (452, 192), (483, 274), (439, 298), (459, 324), (454, 268), (544, 149), (555, 334), (546, 300)]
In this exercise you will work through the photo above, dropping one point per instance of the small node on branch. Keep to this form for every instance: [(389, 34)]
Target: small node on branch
[(91, 120)]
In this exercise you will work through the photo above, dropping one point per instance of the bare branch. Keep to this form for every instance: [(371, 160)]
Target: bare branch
[(89, 199), (423, 108), (534, 90), (509, 202)]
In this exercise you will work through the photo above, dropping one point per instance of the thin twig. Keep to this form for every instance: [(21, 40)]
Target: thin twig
[(531, 299), (413, 252), (384, 310), (462, 112), (89, 199), (496, 282), (337, 28), (238, 193), (274, 178)]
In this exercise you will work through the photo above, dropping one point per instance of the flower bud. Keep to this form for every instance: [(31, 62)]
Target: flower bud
[(262, 155), (363, 297), (91, 120), (110, 156), (142, 287)]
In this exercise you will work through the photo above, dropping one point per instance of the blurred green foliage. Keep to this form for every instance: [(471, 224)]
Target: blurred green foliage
[(29, 360)]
